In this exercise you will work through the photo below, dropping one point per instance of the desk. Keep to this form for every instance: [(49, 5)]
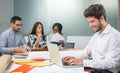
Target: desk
[(49, 69), (71, 49)]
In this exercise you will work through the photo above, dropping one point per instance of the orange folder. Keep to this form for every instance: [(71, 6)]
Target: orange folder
[(22, 69)]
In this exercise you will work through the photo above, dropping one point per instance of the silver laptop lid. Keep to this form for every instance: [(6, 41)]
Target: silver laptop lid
[(54, 54)]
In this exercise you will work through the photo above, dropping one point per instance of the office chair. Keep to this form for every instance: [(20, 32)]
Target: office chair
[(69, 45), (0, 53)]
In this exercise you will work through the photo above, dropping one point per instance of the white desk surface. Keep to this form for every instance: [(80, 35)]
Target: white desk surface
[(49, 69)]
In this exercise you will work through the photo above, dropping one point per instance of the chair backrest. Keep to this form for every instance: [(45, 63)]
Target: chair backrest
[(69, 45), (0, 53)]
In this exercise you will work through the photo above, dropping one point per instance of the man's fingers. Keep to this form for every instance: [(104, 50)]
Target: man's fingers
[(65, 59)]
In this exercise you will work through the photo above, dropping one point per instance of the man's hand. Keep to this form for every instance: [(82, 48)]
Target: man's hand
[(18, 50), (72, 61), (27, 48)]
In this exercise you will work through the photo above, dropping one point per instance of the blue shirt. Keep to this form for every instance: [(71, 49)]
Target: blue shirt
[(10, 39)]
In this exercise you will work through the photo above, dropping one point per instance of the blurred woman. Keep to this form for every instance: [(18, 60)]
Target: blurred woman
[(57, 37), (37, 39)]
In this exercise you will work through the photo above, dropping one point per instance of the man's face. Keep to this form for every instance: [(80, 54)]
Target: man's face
[(16, 26), (94, 23)]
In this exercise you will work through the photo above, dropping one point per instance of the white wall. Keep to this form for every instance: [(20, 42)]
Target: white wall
[(6, 12), (80, 41)]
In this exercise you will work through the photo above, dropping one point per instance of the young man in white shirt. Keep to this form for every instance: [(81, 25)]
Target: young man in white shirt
[(103, 51)]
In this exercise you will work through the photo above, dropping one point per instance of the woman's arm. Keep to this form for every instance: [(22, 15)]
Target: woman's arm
[(38, 40)]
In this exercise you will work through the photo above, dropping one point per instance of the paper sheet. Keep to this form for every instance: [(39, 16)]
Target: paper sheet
[(34, 63)]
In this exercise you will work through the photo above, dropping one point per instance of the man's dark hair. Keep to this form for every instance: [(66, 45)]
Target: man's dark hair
[(59, 27), (15, 18), (95, 10)]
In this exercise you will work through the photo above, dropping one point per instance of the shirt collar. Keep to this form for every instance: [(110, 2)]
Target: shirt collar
[(105, 31), (12, 32)]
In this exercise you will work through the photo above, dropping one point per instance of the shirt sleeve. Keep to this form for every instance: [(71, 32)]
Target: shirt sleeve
[(3, 44), (49, 37), (112, 57), (86, 52), (65, 37), (23, 41)]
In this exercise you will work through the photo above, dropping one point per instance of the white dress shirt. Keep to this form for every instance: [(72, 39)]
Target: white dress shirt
[(103, 50)]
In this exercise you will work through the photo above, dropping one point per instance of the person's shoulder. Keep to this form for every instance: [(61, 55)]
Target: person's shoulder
[(63, 34), (31, 35), (94, 35), (6, 32), (114, 32)]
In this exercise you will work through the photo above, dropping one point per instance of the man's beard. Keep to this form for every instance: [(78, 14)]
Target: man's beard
[(99, 27), (16, 30)]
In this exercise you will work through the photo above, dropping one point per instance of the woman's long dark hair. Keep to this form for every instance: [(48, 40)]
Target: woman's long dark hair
[(35, 27)]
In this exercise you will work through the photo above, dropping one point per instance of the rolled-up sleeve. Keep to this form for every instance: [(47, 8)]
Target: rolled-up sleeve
[(24, 42), (86, 53)]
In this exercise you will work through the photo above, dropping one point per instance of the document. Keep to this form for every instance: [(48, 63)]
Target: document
[(38, 62)]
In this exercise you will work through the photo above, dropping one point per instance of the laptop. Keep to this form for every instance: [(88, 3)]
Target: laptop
[(55, 56)]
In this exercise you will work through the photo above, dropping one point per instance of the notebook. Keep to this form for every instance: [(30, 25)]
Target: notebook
[(55, 56)]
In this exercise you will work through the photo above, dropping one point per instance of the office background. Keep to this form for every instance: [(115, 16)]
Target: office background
[(6, 12), (67, 12)]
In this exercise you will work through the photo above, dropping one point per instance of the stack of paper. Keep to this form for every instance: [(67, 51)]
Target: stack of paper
[(34, 63), (20, 56), (28, 65), (38, 62)]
